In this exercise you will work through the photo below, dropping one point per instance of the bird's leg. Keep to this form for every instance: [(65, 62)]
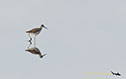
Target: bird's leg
[(29, 46), (30, 40), (34, 40), (29, 35)]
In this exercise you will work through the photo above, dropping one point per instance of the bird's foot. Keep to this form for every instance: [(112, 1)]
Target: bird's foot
[(30, 40)]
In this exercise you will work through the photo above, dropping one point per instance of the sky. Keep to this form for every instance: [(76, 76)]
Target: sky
[(83, 36)]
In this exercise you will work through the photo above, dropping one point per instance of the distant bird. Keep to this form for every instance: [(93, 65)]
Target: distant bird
[(35, 31), (36, 51), (118, 74)]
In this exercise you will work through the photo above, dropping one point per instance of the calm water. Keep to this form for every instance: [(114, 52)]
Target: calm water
[(83, 36)]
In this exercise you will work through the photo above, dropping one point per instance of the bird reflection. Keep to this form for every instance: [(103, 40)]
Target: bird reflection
[(34, 50)]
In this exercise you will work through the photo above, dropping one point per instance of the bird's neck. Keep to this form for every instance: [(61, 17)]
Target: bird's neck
[(40, 28)]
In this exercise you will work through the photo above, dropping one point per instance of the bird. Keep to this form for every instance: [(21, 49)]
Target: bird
[(118, 74), (35, 31), (36, 51)]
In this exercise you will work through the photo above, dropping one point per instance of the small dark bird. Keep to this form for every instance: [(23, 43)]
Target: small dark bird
[(36, 51), (118, 74), (35, 31)]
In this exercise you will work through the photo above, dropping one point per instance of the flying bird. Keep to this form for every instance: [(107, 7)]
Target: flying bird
[(35, 31), (118, 74), (36, 51)]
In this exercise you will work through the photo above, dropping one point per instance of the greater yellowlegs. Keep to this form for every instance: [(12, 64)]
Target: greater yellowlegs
[(35, 31), (36, 51)]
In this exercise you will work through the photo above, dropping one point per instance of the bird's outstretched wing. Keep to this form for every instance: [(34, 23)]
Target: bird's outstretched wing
[(112, 73)]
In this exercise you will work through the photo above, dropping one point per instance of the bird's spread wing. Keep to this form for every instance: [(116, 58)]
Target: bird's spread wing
[(112, 72)]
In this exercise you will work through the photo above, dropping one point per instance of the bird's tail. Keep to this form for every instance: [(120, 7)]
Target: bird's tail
[(27, 50), (27, 31)]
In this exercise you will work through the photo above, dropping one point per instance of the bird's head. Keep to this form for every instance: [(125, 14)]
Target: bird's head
[(43, 26)]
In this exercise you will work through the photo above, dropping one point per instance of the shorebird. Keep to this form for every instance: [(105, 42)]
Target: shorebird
[(35, 31), (118, 74), (36, 51)]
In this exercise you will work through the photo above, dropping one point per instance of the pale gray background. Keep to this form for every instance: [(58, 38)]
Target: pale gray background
[(83, 36)]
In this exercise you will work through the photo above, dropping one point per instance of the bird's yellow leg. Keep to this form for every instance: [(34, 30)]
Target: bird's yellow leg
[(34, 40), (29, 46), (29, 35)]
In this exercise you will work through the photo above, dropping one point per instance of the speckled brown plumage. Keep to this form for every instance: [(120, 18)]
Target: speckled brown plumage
[(36, 51)]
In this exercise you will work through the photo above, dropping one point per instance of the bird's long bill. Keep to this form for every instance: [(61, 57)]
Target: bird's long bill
[(45, 27)]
